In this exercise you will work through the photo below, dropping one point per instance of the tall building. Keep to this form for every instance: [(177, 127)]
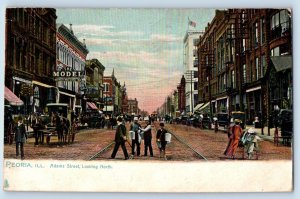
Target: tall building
[(30, 56), (190, 41), (245, 62), (70, 68)]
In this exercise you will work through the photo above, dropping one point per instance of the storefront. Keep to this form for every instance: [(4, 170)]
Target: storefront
[(254, 103), (222, 104)]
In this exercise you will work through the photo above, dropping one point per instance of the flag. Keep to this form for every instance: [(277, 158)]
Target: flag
[(192, 23)]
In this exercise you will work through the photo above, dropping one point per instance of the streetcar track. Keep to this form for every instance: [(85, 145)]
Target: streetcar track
[(101, 151), (186, 144), (181, 140)]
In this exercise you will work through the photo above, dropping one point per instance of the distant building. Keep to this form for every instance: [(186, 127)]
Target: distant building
[(94, 83), (190, 42), (133, 107), (181, 95), (112, 95)]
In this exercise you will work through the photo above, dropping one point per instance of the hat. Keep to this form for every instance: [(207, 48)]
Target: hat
[(119, 119), (251, 130), (135, 118), (237, 121)]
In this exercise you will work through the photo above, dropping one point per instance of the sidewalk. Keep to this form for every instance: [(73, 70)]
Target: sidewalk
[(264, 135)]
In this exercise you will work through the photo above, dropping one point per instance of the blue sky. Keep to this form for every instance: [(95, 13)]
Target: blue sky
[(144, 46)]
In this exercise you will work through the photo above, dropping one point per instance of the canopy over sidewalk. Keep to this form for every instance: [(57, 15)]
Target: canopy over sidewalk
[(12, 98)]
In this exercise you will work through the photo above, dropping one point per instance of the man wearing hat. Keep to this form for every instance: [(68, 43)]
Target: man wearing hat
[(147, 137), (235, 133), (136, 138), (161, 141), (20, 137), (120, 139)]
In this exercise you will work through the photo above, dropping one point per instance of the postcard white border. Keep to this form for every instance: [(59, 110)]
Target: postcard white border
[(157, 3)]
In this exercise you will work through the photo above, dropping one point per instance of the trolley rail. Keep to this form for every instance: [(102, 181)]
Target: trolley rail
[(182, 141), (186, 144), (101, 151)]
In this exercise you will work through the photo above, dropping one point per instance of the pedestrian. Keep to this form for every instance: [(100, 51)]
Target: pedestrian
[(20, 137), (147, 137), (37, 126), (252, 143), (136, 137), (161, 141), (235, 133), (120, 139), (59, 128)]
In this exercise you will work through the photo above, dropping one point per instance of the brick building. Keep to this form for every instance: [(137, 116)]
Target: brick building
[(181, 95), (133, 107), (112, 95), (30, 55), (94, 82), (241, 55), (71, 56)]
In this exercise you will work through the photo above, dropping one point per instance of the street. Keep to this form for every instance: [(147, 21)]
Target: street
[(90, 141)]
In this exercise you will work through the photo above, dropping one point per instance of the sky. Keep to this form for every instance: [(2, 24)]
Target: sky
[(143, 46)]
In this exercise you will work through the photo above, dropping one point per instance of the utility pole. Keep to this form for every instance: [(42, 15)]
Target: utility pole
[(190, 74)]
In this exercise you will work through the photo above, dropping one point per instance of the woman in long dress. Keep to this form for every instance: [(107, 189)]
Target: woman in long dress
[(234, 139)]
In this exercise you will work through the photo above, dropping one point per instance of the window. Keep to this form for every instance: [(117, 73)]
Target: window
[(195, 74), (195, 98), (255, 34), (262, 30), (244, 73), (263, 65), (195, 86), (106, 87), (251, 71), (256, 69), (232, 79), (280, 23), (275, 52), (244, 45)]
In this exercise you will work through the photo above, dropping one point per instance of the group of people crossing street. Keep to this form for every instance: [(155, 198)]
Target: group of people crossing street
[(137, 134)]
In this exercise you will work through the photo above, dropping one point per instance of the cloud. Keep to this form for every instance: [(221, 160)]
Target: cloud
[(102, 30), (165, 38)]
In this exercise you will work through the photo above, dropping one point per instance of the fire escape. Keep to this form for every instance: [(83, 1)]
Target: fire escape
[(238, 36)]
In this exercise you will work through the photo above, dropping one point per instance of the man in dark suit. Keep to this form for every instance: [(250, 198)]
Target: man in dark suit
[(20, 137), (120, 139)]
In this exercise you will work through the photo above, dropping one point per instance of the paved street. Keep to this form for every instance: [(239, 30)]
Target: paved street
[(88, 142)]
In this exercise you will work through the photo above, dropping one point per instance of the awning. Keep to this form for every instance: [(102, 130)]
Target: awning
[(198, 106), (282, 62), (221, 98), (67, 94), (91, 105), (204, 106), (41, 84), (12, 98), (253, 89)]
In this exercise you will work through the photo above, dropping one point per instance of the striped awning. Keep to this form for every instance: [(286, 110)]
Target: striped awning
[(91, 105), (12, 98)]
